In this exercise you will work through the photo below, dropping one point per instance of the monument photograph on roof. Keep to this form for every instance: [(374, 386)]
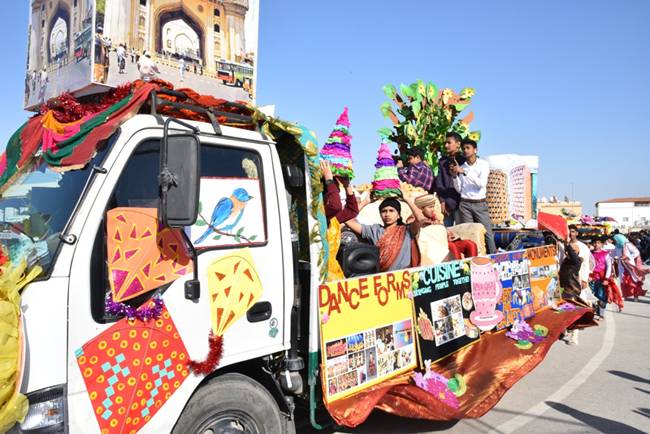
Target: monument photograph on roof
[(83, 46), (59, 48)]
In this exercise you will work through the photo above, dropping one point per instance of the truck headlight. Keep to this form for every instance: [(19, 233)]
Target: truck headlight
[(46, 412)]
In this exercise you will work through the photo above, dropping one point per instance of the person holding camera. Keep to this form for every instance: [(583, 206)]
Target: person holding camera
[(444, 184), (417, 173), (470, 180)]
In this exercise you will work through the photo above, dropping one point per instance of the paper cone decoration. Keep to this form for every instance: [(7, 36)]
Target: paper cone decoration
[(131, 370), (142, 256), (234, 286), (386, 182), (337, 147)]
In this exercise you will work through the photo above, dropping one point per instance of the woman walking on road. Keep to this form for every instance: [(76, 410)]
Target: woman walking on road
[(632, 271)]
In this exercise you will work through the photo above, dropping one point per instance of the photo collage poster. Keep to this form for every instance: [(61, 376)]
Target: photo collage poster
[(372, 354), (544, 268), (517, 298), (367, 332), (442, 301)]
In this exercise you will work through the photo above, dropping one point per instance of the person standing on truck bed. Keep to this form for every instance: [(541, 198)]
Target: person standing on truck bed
[(397, 249), (444, 182), (470, 180)]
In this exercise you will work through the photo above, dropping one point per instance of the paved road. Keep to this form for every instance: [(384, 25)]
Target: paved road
[(601, 385), (199, 83)]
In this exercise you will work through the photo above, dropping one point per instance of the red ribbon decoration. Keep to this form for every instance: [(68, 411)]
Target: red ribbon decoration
[(211, 362)]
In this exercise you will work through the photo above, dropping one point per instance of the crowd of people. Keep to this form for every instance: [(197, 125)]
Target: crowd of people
[(37, 80), (460, 185), (457, 195), (589, 272), (147, 66)]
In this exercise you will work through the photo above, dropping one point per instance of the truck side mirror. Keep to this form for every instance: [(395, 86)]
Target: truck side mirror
[(180, 173), (180, 160)]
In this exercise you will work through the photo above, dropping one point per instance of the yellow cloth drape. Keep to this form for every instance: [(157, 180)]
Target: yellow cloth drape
[(49, 121), (13, 405), (334, 271)]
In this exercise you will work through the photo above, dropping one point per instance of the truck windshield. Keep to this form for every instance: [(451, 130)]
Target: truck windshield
[(35, 210)]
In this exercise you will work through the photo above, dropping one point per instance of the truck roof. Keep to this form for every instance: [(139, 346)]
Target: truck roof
[(141, 121)]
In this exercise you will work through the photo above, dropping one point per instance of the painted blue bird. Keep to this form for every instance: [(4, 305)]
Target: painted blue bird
[(227, 213)]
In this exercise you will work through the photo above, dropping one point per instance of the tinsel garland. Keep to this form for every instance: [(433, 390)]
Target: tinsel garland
[(67, 108), (143, 313), (211, 362)]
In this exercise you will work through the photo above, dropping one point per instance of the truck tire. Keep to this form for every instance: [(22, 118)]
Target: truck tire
[(232, 404)]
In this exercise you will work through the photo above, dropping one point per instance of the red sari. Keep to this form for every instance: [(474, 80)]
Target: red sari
[(633, 273)]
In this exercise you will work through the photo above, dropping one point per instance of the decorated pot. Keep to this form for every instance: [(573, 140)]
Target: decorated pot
[(486, 293)]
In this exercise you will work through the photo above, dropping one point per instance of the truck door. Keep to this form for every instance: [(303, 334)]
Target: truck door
[(243, 239)]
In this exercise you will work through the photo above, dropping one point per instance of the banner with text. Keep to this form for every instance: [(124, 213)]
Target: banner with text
[(442, 301), (543, 267), (366, 331)]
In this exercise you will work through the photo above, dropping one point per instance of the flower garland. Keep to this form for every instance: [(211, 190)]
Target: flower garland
[(66, 108), (143, 313)]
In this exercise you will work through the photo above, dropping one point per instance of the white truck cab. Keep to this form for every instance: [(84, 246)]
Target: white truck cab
[(263, 372)]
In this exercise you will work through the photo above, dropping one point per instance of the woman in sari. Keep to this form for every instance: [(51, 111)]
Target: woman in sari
[(632, 271), (570, 282), (392, 237)]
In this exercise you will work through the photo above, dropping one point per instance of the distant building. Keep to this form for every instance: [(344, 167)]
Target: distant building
[(571, 210), (629, 212)]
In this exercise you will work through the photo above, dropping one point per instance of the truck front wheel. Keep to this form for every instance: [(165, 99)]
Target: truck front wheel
[(232, 404)]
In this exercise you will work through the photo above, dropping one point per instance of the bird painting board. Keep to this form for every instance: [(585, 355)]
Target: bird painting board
[(442, 299), (367, 333), (231, 213), (517, 298), (85, 47)]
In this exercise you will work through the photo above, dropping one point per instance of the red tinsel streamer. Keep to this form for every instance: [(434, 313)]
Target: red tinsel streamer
[(68, 109), (212, 360)]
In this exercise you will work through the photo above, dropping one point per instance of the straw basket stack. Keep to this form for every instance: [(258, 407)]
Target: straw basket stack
[(497, 196)]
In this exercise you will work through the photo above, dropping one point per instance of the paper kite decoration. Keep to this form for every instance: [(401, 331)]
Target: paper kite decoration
[(233, 286), (386, 181), (337, 147), (142, 255), (131, 370)]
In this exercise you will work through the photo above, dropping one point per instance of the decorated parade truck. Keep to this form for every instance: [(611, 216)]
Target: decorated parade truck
[(164, 269)]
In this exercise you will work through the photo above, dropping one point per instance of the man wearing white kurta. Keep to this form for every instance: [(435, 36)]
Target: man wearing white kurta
[(470, 180)]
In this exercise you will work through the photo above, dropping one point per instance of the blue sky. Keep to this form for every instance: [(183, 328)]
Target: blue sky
[(566, 80)]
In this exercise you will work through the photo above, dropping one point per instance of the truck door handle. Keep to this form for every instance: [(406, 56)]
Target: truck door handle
[(260, 311)]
